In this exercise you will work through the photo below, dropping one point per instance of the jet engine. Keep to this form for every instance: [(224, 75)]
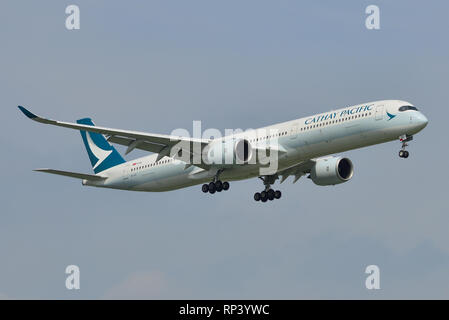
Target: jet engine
[(331, 171), (228, 152)]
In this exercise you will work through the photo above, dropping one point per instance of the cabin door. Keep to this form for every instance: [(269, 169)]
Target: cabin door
[(379, 112)]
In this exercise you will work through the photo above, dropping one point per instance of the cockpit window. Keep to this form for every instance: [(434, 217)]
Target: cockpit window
[(405, 108)]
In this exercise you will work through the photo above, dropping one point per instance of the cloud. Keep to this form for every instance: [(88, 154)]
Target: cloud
[(140, 285), (4, 296)]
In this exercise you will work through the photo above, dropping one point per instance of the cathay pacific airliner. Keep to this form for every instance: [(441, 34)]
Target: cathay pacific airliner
[(301, 147)]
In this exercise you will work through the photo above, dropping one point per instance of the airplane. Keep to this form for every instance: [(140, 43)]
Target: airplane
[(304, 146)]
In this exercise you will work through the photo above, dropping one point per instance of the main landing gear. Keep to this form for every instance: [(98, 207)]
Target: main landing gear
[(215, 186), (404, 139), (268, 193)]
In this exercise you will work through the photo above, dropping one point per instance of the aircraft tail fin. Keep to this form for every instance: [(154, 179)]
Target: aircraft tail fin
[(101, 153)]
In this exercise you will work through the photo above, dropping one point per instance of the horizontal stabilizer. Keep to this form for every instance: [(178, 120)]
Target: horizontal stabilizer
[(90, 177)]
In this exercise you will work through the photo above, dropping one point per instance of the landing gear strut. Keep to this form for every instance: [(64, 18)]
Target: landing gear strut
[(404, 139), (215, 186), (268, 193)]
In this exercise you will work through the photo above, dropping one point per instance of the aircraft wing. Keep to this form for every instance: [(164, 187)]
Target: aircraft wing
[(158, 143), (298, 170)]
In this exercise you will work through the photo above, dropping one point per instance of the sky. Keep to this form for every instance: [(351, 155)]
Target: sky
[(156, 66)]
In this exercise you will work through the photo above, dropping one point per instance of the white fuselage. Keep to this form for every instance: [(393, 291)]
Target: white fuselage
[(301, 139)]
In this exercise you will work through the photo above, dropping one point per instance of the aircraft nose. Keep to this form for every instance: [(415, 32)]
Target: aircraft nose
[(421, 120)]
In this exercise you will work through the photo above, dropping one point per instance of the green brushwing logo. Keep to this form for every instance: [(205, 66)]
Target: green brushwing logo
[(390, 116)]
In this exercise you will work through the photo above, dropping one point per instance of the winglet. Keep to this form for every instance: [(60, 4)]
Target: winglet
[(27, 113)]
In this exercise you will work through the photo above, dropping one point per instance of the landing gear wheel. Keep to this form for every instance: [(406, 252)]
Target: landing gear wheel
[(205, 188), (277, 194), (264, 196), (270, 194), (218, 186), (225, 185), (257, 196), (212, 188), (403, 154)]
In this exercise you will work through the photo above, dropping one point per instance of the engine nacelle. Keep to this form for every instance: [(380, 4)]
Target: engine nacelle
[(331, 171), (228, 152)]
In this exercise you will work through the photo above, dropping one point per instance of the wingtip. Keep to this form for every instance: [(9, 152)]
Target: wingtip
[(27, 113)]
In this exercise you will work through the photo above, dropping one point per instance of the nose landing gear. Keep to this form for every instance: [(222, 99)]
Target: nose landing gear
[(403, 154), (404, 139)]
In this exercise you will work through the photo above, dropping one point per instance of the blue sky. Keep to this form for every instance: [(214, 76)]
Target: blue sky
[(158, 65)]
